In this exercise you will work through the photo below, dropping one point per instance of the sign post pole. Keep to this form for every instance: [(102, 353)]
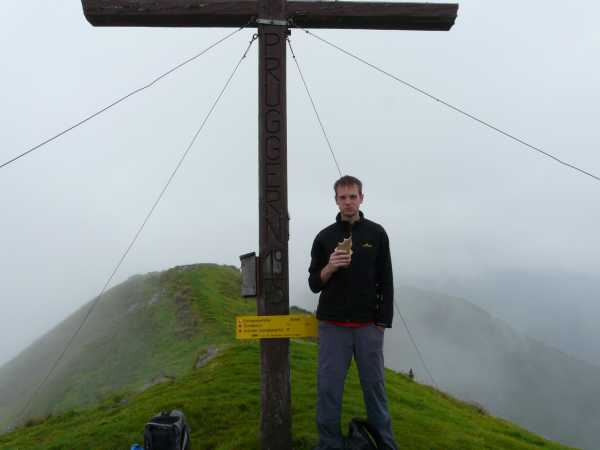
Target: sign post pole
[(273, 286)]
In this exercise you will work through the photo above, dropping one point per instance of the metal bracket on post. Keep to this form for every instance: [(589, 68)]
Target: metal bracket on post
[(283, 23)]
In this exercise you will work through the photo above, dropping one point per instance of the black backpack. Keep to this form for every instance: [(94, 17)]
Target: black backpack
[(168, 430), (363, 436)]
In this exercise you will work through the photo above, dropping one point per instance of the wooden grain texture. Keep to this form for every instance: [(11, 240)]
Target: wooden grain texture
[(235, 13), (169, 13), (370, 15), (273, 227)]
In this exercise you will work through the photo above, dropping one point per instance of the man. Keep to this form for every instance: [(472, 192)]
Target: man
[(355, 307)]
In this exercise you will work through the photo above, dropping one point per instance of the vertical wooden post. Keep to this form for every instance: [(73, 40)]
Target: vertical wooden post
[(273, 292)]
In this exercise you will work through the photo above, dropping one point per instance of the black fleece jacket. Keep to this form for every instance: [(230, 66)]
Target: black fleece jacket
[(362, 292)]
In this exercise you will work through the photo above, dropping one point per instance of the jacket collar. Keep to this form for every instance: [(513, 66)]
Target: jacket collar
[(361, 216)]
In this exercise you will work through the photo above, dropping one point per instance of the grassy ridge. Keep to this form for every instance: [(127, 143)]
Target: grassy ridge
[(221, 401), (158, 324), (149, 327)]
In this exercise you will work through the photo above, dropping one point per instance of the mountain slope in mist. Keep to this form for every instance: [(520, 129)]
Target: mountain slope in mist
[(479, 358), (158, 327), (222, 404), (564, 305), (148, 328)]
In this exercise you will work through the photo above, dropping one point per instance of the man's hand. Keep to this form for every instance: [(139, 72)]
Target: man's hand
[(336, 260), (339, 258)]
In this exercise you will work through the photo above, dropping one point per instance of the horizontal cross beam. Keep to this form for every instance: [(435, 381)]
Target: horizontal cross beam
[(237, 13)]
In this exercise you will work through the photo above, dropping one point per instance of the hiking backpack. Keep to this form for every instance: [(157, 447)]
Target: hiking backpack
[(168, 430), (363, 436)]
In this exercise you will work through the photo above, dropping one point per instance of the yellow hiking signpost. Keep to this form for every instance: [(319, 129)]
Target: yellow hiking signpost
[(264, 327)]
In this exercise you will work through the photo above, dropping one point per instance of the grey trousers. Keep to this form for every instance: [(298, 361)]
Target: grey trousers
[(337, 345)]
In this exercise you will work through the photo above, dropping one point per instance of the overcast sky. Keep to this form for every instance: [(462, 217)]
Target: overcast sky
[(456, 198)]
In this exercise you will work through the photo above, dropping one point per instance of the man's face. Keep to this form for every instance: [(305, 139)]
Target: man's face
[(348, 200)]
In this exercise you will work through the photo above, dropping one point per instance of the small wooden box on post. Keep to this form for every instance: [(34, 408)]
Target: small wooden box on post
[(273, 18), (249, 274)]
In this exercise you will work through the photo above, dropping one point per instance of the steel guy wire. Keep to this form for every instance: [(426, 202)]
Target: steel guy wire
[(412, 339), (452, 107), (314, 108), (125, 97), (137, 234)]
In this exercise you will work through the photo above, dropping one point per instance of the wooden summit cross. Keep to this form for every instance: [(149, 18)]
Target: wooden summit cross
[(273, 18)]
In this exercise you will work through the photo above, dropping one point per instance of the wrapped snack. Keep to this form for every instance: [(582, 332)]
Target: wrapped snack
[(345, 246)]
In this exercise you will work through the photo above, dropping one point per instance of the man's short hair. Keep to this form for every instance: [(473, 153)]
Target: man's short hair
[(348, 180)]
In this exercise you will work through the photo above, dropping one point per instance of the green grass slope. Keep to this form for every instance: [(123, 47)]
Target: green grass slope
[(154, 328), (150, 327), (221, 401)]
